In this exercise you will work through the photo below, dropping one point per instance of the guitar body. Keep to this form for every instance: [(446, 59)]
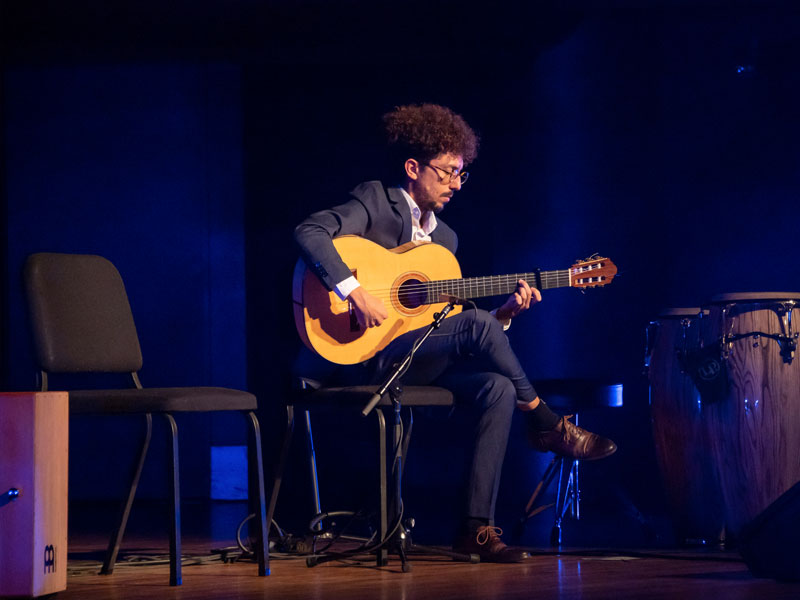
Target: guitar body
[(328, 325), (414, 281)]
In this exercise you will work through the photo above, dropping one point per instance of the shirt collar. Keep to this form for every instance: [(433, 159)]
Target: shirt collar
[(424, 220)]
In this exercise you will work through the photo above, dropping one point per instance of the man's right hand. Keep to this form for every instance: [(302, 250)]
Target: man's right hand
[(370, 310)]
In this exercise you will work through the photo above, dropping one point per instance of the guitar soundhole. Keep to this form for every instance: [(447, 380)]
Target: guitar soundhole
[(412, 294)]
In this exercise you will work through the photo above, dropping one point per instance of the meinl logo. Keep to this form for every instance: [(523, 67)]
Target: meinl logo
[(49, 559), (709, 370)]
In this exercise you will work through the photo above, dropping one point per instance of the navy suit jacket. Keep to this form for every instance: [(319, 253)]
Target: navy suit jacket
[(374, 212)]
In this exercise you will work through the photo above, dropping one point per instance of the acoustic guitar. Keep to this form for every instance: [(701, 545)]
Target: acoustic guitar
[(414, 281)]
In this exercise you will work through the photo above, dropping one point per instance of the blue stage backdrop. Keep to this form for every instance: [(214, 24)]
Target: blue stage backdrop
[(140, 163), (665, 139), (633, 136)]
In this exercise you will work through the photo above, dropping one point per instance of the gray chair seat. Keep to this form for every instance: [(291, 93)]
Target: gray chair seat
[(156, 400), (358, 396)]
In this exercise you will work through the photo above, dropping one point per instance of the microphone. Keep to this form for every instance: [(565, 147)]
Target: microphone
[(371, 404)]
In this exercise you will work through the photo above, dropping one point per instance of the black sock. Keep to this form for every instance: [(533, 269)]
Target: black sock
[(542, 418), (472, 524)]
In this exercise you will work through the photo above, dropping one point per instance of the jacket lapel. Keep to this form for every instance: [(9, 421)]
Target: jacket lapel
[(400, 207)]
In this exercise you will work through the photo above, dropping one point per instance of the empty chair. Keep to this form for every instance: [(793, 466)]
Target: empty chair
[(82, 323)]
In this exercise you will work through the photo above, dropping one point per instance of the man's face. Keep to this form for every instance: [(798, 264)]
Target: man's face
[(431, 185)]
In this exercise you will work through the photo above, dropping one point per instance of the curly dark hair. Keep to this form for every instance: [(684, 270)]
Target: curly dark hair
[(424, 131)]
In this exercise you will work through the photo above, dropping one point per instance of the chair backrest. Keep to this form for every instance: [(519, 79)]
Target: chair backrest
[(81, 317)]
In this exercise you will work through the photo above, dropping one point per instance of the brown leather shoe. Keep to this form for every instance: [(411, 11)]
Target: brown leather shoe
[(486, 543), (567, 439)]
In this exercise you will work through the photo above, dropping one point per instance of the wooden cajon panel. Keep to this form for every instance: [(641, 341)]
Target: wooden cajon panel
[(33, 459)]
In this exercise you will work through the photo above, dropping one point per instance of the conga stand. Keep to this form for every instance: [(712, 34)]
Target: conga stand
[(399, 539)]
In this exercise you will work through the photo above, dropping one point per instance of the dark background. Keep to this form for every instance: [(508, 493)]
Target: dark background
[(185, 141)]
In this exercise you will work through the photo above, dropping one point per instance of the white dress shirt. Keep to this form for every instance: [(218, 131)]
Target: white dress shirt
[(422, 225)]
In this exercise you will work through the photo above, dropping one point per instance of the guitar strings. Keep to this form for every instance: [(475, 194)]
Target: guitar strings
[(484, 281), (425, 287), (490, 282)]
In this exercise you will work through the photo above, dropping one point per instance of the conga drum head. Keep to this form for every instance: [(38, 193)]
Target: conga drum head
[(754, 429), (755, 297), (678, 313)]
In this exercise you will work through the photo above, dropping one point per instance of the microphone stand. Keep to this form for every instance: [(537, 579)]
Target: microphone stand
[(399, 537), (401, 367)]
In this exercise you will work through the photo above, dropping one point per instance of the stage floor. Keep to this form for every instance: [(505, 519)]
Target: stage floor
[(585, 573)]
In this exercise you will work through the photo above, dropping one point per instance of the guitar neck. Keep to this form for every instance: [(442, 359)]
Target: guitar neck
[(495, 285)]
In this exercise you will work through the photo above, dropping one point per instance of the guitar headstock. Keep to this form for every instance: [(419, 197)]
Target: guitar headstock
[(592, 272)]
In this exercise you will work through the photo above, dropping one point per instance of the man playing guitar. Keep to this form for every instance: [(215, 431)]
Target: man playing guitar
[(469, 353)]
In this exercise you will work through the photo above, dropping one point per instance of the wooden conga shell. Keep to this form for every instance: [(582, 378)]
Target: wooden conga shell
[(683, 447), (756, 429)]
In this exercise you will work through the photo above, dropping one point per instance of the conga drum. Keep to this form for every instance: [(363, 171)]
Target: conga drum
[(755, 429), (683, 446)]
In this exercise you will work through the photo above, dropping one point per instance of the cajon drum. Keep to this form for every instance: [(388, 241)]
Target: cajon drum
[(33, 493)]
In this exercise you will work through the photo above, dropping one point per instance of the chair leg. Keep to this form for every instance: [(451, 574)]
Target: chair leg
[(258, 502), (116, 536), (280, 465), (175, 577), (312, 467)]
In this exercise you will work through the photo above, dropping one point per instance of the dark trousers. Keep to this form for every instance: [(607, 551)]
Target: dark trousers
[(469, 355)]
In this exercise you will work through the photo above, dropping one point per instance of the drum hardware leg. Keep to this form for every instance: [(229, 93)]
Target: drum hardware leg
[(649, 341), (726, 343), (684, 326), (564, 498), (576, 493), (683, 352), (787, 343), (574, 487), (544, 483), (788, 346), (555, 534)]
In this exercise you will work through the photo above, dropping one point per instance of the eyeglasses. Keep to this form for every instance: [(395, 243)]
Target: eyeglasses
[(449, 176)]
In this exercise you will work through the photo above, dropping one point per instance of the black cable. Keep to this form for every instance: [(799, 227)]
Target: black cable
[(75, 568), (240, 543), (354, 517), (365, 548)]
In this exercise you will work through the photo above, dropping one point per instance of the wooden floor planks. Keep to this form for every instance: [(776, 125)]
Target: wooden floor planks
[(590, 575), (584, 574)]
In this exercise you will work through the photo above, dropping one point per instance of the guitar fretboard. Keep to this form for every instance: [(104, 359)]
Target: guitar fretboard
[(494, 285)]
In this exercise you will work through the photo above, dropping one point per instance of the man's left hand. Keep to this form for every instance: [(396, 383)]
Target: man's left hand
[(522, 299)]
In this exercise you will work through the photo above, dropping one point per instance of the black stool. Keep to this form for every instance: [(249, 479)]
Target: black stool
[(570, 396)]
